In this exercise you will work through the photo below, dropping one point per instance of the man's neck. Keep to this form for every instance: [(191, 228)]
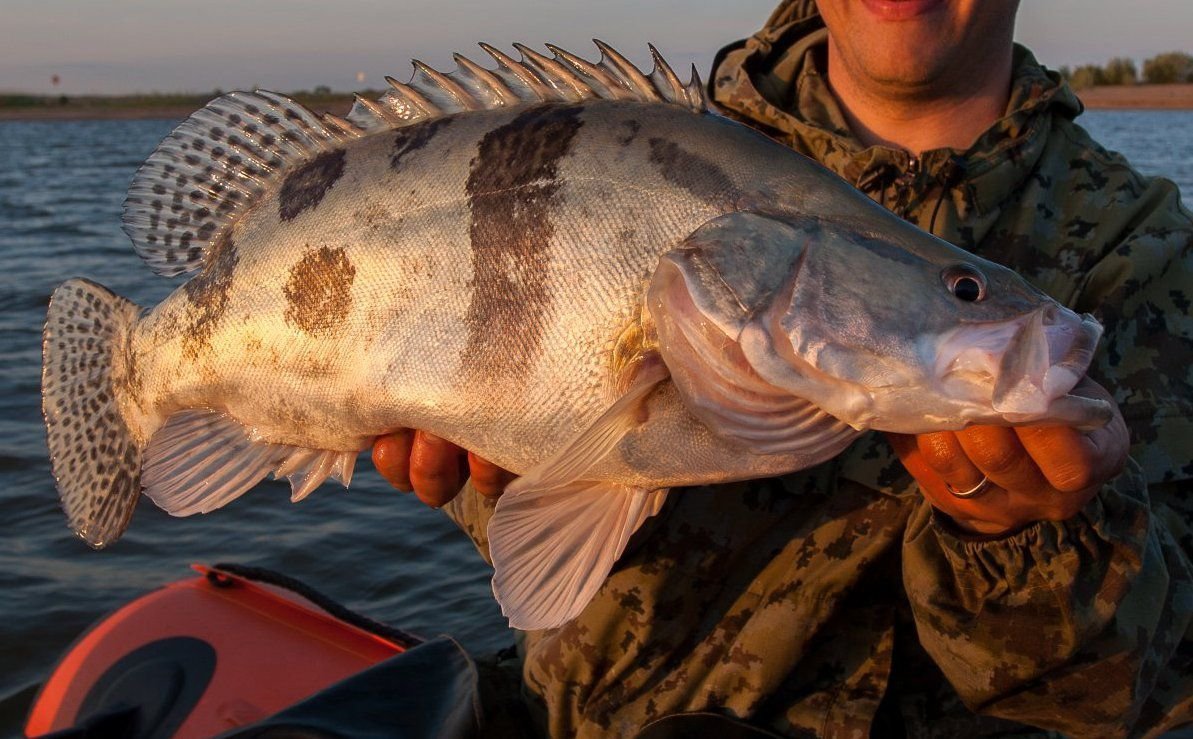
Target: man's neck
[(939, 116)]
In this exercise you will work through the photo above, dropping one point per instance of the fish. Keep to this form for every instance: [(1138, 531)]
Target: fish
[(575, 269)]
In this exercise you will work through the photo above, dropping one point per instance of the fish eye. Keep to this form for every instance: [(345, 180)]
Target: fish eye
[(965, 282)]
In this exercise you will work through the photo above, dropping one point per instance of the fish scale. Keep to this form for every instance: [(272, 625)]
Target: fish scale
[(571, 268)]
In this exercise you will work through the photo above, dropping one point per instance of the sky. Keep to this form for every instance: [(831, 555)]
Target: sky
[(127, 46)]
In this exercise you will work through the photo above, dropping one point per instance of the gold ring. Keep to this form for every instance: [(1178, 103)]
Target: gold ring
[(973, 492)]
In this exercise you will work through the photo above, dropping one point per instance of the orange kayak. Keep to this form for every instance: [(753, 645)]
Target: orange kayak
[(209, 654)]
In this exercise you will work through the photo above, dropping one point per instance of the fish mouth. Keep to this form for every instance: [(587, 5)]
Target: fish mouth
[(1024, 370)]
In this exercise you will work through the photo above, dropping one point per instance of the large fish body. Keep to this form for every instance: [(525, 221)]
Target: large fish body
[(612, 293), (472, 281)]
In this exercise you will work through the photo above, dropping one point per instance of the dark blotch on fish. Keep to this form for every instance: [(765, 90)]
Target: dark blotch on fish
[(208, 292), (632, 127), (306, 186), (319, 291), (699, 176), (410, 139), (512, 190)]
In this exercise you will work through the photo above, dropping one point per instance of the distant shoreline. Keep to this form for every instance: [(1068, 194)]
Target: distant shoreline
[(141, 107), (1141, 97), (178, 107)]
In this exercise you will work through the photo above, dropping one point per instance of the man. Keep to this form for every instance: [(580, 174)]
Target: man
[(1016, 576)]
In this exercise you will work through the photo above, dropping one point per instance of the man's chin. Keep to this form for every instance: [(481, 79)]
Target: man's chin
[(897, 62)]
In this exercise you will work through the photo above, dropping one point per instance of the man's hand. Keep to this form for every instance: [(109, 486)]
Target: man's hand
[(433, 468), (1037, 473)]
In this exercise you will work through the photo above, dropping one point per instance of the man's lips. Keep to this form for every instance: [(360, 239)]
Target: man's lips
[(901, 9)]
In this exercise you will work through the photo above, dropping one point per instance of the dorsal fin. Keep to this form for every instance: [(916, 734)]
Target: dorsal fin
[(216, 164), (562, 77), (238, 147)]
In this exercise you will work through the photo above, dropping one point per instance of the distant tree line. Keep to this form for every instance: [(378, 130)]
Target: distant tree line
[(1174, 66)]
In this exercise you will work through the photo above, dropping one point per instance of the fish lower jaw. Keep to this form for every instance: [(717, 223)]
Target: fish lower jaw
[(1075, 411), (1051, 405), (1036, 395), (976, 382)]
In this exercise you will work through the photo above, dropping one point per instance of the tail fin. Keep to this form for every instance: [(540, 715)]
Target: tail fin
[(94, 456)]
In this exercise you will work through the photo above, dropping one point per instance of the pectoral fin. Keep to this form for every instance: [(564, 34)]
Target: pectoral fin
[(555, 535), (553, 548)]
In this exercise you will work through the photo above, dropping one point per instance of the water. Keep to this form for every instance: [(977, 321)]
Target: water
[(380, 552), (1157, 142)]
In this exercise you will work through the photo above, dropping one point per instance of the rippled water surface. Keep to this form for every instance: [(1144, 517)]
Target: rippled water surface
[(61, 187)]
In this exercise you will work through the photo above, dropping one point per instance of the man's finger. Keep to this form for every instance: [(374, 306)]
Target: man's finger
[(488, 479), (943, 452), (435, 469), (1066, 457), (391, 457), (998, 455), (978, 515)]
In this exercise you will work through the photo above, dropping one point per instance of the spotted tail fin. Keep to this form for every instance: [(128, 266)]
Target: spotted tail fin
[(93, 454)]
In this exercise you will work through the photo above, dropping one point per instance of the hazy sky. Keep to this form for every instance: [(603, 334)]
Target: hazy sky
[(118, 46)]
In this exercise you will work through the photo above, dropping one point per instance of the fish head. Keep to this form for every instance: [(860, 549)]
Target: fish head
[(887, 327)]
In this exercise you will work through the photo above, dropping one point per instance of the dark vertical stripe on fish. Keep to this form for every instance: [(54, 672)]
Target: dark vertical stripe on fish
[(512, 190), (699, 176), (409, 139), (208, 293), (632, 127), (305, 187)]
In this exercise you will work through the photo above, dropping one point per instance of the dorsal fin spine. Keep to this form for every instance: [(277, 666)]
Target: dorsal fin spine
[(498, 92), (555, 75), (510, 69), (379, 115), (592, 75), (417, 98), (630, 75), (441, 101), (345, 126), (503, 60), (664, 77), (425, 108), (462, 97), (695, 89)]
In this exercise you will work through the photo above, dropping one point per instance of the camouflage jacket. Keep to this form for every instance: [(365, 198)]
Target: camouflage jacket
[(834, 602)]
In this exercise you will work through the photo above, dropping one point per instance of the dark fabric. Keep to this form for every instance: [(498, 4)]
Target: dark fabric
[(703, 724), (429, 691)]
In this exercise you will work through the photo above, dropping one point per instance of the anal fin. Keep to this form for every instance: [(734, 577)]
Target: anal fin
[(202, 459), (323, 465)]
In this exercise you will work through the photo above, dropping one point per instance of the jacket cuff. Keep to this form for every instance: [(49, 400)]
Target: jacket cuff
[(1045, 554)]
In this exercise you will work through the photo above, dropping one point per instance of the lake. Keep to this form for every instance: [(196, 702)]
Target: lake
[(375, 550)]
